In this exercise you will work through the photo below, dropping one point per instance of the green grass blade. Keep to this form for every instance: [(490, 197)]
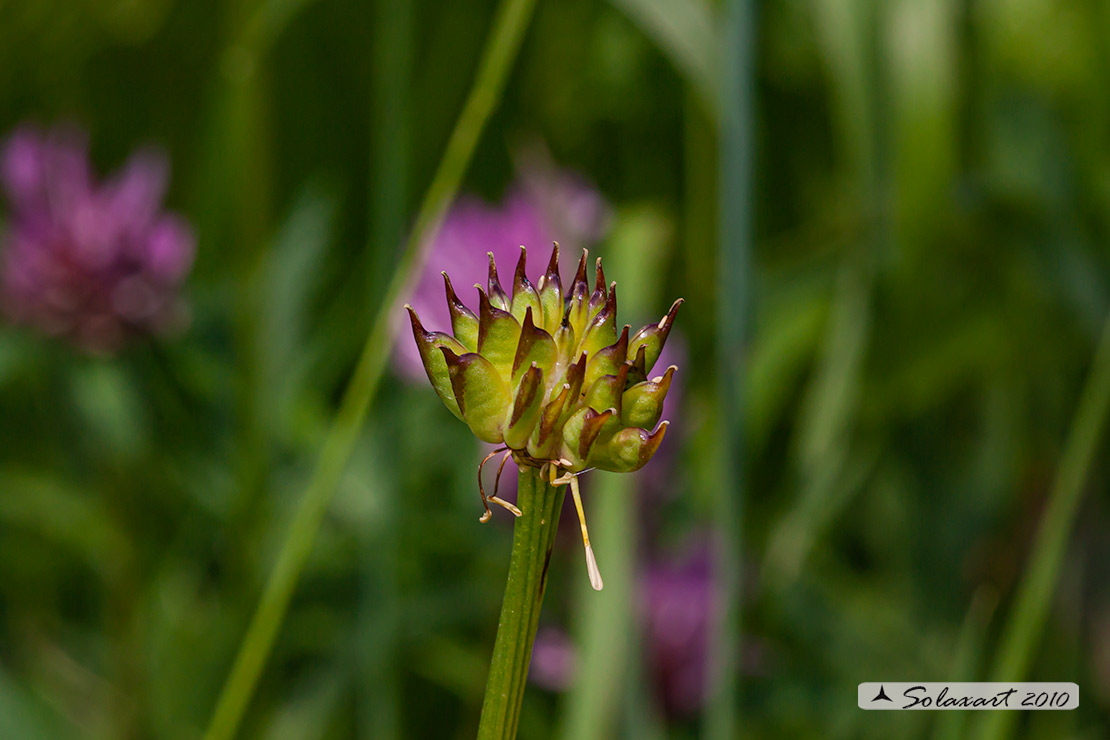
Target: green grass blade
[(605, 618), (1035, 595), (967, 659), (736, 147)]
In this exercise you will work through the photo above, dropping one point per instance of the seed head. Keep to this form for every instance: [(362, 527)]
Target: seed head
[(547, 373)]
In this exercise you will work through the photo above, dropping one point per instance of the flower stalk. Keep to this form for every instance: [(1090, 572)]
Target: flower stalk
[(540, 503)]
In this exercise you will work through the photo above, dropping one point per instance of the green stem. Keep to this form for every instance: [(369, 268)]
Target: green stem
[(736, 151), (533, 537), (1035, 594), (497, 58)]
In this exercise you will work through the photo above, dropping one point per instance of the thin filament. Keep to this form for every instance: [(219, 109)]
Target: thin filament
[(591, 561), (481, 488)]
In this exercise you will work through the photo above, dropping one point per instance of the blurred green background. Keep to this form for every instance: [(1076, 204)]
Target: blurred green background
[(925, 274)]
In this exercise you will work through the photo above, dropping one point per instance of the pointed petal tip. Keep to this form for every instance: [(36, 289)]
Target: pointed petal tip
[(580, 273), (622, 375), (520, 276), (666, 376), (449, 356), (449, 288), (553, 263)]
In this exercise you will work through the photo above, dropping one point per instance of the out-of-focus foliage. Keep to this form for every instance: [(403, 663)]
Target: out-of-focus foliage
[(930, 275)]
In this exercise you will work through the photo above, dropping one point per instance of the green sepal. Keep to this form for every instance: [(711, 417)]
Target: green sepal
[(607, 391), (597, 427), (543, 442), (580, 432), (572, 430), (464, 324), (607, 361), (525, 409), (498, 335), (565, 344), (551, 294), (630, 449), (575, 379), (653, 336), (535, 347), (578, 309), (482, 395), (638, 373), (642, 404), (497, 295), (429, 345), (598, 298), (525, 296), (602, 329)]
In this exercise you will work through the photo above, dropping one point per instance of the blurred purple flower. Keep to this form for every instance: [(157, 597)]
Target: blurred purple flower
[(678, 604), (95, 262), (678, 601), (553, 660), (543, 206)]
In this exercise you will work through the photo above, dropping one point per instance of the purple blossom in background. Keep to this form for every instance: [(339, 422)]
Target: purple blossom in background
[(678, 604), (553, 660), (541, 207), (678, 601), (95, 262)]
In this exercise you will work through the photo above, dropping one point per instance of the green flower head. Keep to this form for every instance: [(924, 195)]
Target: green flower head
[(546, 373)]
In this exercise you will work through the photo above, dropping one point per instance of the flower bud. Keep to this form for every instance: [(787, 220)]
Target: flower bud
[(547, 374)]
